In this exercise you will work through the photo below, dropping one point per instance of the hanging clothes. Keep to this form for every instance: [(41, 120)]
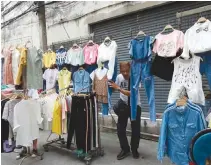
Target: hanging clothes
[(57, 118), (179, 126), (34, 69), (49, 58), (205, 65), (100, 85), (75, 57), (50, 75), (27, 126), (47, 107), (15, 63), (140, 53), (2, 69), (90, 54), (64, 79), (8, 76), (107, 54), (4, 126), (60, 57), (166, 47), (83, 121), (81, 81), (21, 77), (186, 75), (197, 39), (8, 113)]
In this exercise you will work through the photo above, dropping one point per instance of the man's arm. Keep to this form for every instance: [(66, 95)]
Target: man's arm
[(115, 86)]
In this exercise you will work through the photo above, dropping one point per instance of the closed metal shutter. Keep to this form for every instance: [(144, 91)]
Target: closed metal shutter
[(151, 21)]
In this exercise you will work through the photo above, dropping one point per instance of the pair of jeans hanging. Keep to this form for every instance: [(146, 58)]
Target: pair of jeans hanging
[(140, 72)]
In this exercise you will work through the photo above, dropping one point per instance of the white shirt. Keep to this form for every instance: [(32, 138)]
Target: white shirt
[(197, 39), (27, 117), (50, 75), (15, 63), (47, 107), (100, 73), (107, 53), (123, 83)]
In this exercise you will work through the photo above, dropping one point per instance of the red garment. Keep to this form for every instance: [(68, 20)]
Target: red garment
[(191, 163)]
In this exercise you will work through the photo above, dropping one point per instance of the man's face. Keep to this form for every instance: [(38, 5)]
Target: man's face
[(125, 71)]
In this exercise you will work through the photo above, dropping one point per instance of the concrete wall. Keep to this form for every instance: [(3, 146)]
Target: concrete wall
[(22, 30), (65, 20)]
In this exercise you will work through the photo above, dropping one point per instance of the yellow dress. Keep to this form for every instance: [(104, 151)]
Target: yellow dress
[(49, 58), (57, 118), (22, 63)]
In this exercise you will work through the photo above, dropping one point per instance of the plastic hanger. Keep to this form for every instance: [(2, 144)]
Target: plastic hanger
[(201, 20), (167, 27), (61, 47), (90, 43), (75, 46), (141, 33)]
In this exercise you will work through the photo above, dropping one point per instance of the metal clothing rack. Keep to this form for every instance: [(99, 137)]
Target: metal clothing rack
[(28, 153), (60, 142)]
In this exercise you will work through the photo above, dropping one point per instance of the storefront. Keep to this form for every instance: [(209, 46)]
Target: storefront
[(151, 21)]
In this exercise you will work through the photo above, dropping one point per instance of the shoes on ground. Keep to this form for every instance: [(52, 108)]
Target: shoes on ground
[(123, 154)]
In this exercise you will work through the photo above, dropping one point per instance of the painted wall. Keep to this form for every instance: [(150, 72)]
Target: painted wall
[(64, 20)]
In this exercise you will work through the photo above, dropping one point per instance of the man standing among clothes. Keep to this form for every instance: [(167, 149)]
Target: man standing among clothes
[(122, 109)]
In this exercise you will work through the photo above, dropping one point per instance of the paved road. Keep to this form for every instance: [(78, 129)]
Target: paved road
[(111, 147)]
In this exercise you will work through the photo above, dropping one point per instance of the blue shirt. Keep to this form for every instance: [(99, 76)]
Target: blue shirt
[(141, 49), (179, 126), (81, 81)]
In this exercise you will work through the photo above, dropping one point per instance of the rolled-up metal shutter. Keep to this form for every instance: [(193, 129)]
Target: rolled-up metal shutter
[(151, 21)]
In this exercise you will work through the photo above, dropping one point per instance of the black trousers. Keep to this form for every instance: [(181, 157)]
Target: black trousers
[(123, 116), (77, 123)]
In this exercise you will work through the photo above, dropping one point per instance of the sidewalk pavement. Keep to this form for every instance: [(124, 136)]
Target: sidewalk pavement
[(148, 149)]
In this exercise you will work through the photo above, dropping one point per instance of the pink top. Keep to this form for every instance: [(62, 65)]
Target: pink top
[(90, 54), (167, 45), (8, 76)]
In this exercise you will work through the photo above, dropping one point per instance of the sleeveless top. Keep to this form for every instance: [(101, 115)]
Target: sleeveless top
[(186, 75), (101, 89)]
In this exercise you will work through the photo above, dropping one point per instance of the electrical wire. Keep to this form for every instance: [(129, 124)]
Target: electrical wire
[(11, 8), (4, 24)]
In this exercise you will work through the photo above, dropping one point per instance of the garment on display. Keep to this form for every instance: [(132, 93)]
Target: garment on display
[(81, 81), (90, 52), (140, 72), (64, 79), (49, 58), (60, 57), (51, 76), (186, 75), (197, 38), (34, 67), (75, 56), (176, 134)]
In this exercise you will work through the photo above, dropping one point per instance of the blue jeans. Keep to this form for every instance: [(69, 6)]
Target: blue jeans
[(205, 66), (90, 68), (110, 90), (140, 72)]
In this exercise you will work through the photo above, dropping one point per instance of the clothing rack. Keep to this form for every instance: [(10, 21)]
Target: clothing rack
[(60, 141), (28, 153)]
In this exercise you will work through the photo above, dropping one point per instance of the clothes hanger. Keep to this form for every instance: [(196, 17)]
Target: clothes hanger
[(61, 47), (90, 43), (141, 33), (75, 46), (168, 27), (201, 20), (28, 42)]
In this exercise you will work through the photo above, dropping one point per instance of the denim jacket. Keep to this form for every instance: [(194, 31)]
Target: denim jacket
[(81, 80), (179, 125)]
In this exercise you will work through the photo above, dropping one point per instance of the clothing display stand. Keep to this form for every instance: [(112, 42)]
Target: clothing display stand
[(28, 154), (60, 144)]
